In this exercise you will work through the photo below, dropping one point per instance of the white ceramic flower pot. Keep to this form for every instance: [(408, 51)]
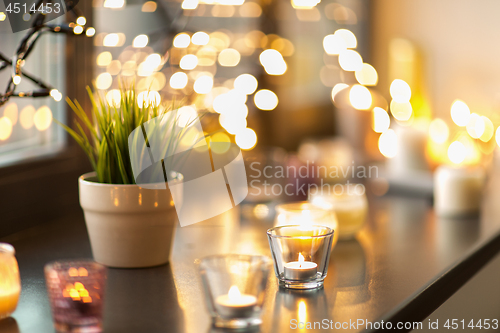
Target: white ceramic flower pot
[(128, 226)]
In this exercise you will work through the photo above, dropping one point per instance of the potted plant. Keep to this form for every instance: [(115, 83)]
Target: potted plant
[(129, 226)]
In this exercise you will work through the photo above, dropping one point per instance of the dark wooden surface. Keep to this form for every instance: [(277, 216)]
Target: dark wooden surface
[(402, 266)]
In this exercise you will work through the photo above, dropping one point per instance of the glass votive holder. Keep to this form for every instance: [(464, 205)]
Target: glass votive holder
[(305, 213), (76, 294), (10, 282), (349, 203), (301, 254), (234, 287)]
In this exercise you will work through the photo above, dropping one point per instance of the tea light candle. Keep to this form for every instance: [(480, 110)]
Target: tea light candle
[(457, 190), (300, 270), (235, 304), (10, 285)]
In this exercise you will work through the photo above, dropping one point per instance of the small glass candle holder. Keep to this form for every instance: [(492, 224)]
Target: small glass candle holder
[(76, 294), (234, 287), (349, 203), (10, 282), (301, 254), (305, 213)]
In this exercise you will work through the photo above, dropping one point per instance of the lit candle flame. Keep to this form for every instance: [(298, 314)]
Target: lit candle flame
[(301, 259), (234, 293)]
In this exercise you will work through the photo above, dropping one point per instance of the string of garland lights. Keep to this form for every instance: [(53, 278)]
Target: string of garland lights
[(37, 29)]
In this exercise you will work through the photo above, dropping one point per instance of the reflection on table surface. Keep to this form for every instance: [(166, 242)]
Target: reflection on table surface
[(402, 249)]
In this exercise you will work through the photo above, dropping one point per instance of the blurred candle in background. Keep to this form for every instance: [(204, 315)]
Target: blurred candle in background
[(10, 282)]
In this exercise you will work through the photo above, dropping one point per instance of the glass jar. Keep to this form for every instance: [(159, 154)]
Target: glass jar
[(10, 281), (305, 213), (349, 203)]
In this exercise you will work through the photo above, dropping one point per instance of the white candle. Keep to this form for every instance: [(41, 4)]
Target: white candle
[(410, 154), (457, 190), (300, 270), (235, 304)]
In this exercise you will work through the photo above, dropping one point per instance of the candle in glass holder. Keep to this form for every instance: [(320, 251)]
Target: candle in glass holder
[(349, 204), (301, 269), (235, 304), (10, 283)]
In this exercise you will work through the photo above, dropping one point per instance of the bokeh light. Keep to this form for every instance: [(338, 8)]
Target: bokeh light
[(334, 44), (266, 100), (246, 139), (146, 98), (11, 112), (188, 62), (140, 41), (438, 131), (246, 83), (186, 115), (104, 59), (401, 111), (381, 120), (348, 37), (488, 130), (460, 113), (200, 38), (360, 97), (229, 58), (456, 152), (182, 40), (26, 117), (400, 91), (5, 128), (350, 61), (475, 126), (203, 84), (178, 80), (103, 81), (367, 75), (43, 118), (388, 143), (113, 97), (337, 88)]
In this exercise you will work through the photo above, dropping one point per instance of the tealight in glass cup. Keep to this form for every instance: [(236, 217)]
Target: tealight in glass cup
[(76, 294), (301, 254), (234, 287)]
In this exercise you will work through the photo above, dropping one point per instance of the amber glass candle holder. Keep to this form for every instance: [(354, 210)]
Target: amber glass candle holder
[(10, 282), (301, 255), (76, 293), (234, 287)]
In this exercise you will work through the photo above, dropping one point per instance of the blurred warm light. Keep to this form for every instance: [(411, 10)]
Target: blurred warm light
[(112, 40), (140, 41), (5, 128), (367, 75), (337, 88), (16, 79), (81, 20), (90, 32), (381, 120), (206, 56), (232, 123), (223, 11), (186, 115), (178, 80), (350, 61), (154, 82), (401, 111), (189, 4), (488, 130), (220, 138), (229, 58), (114, 3), (128, 68), (103, 81), (147, 98), (265, 100), (200, 38), (203, 84), (219, 40), (246, 139), (348, 37), (113, 97), (283, 46), (77, 29), (475, 126), (182, 40), (334, 44), (114, 67), (26, 117), (43, 118), (438, 131), (304, 4), (188, 62), (273, 62), (104, 59), (497, 136), (56, 95), (360, 97), (11, 112), (246, 83), (456, 152), (400, 91), (460, 113), (250, 9), (2, 16), (388, 143), (149, 7)]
